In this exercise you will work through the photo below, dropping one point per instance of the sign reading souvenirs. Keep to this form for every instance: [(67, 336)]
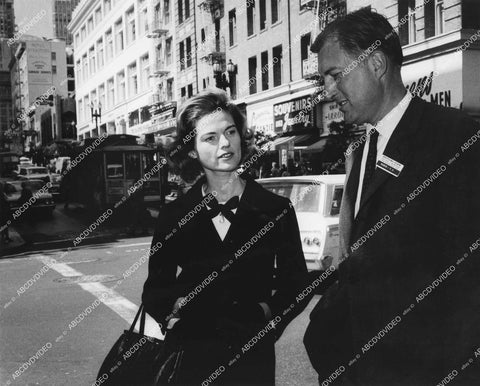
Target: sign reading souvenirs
[(294, 116)]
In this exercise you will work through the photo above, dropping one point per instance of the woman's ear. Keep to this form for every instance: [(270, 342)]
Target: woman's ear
[(193, 154)]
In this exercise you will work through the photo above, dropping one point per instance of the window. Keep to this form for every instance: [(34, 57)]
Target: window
[(250, 18), (277, 66), (183, 94), (98, 15), (439, 17), (90, 24), (131, 34), (145, 71), (166, 11), (78, 68), (132, 79), (263, 14), (80, 110), (77, 38), (54, 69), (93, 97), (119, 36), (170, 89), (101, 95), (100, 60), (180, 11), (107, 6), (121, 86), (182, 55), (187, 9), (274, 4), (252, 74), (190, 90), (305, 51), (202, 35), (232, 26), (85, 67), (83, 33), (54, 56), (412, 28), (189, 51), (86, 103), (143, 21), (109, 41), (91, 60), (110, 93), (168, 49), (264, 62)]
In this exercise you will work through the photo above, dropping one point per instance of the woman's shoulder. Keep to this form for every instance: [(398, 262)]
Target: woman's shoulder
[(265, 198)]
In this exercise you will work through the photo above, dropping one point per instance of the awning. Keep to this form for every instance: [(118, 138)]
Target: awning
[(279, 141), (302, 141), (317, 146)]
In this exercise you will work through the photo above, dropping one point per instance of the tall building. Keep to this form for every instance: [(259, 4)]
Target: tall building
[(441, 46), (9, 136), (7, 19), (62, 16), (124, 66), (39, 80)]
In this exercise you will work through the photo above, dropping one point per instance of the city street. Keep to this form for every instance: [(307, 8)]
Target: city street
[(39, 303)]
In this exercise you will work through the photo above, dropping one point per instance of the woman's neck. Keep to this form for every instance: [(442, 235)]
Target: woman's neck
[(226, 185)]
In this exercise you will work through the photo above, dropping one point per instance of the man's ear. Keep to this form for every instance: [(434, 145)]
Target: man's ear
[(379, 63), (193, 154)]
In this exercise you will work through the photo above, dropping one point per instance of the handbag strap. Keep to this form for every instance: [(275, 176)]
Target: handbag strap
[(141, 311)]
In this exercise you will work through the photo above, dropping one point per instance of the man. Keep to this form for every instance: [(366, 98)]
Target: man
[(406, 307)]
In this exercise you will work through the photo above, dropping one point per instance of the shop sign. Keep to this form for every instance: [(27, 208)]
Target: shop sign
[(295, 115), (261, 120), (437, 80), (330, 113)]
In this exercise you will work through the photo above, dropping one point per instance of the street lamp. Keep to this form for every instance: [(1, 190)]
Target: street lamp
[(221, 80), (96, 111)]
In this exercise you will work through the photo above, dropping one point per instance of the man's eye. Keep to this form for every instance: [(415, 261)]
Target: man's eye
[(337, 76)]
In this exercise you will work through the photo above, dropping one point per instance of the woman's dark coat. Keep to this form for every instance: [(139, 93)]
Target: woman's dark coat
[(264, 234)]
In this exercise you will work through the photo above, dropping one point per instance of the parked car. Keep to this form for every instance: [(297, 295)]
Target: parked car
[(31, 172), (44, 203), (316, 200)]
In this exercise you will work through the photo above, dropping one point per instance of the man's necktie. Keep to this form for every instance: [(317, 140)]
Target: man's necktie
[(224, 209), (371, 161)]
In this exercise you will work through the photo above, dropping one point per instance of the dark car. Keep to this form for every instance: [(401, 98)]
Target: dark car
[(43, 204)]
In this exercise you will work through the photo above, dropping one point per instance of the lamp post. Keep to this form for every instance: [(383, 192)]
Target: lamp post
[(96, 111), (221, 80)]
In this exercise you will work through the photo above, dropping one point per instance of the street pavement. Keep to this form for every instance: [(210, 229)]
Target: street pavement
[(43, 292)]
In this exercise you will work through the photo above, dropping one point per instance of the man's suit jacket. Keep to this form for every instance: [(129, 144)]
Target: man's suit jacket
[(388, 320)]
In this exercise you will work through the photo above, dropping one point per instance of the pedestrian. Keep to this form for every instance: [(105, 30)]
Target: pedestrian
[(275, 171), (405, 310), (225, 236), (138, 212), (66, 183), (5, 216)]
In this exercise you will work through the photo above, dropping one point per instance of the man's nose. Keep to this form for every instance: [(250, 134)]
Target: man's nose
[(330, 87)]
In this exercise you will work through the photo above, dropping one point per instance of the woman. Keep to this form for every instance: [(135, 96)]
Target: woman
[(211, 282)]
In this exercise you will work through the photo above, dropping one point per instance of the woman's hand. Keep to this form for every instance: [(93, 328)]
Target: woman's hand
[(176, 309)]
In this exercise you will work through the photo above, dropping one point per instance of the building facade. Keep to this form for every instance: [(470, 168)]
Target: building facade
[(440, 40), (124, 65)]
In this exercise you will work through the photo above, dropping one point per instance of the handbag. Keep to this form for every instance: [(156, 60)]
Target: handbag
[(139, 360)]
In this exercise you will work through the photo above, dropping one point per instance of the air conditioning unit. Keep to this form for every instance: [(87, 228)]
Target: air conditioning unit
[(217, 14)]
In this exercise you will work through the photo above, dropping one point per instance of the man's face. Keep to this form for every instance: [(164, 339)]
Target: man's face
[(357, 91)]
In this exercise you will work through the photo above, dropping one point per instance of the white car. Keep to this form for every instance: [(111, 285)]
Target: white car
[(316, 200)]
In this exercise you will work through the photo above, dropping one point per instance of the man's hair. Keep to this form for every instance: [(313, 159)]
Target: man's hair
[(359, 30), (207, 102)]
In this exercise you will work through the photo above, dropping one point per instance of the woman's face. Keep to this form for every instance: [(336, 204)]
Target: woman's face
[(217, 143)]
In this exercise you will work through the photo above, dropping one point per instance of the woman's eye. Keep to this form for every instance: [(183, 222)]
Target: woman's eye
[(231, 132), (209, 139)]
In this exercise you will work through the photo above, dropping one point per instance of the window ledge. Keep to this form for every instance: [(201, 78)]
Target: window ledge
[(278, 22), (264, 30), (235, 45), (252, 36)]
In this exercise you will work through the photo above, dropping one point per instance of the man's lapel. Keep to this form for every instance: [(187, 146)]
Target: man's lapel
[(399, 146)]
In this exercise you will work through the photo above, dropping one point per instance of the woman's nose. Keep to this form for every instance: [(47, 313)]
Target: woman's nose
[(224, 141)]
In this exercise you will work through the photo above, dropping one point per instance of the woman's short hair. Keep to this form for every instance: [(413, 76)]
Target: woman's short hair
[(357, 31), (206, 102)]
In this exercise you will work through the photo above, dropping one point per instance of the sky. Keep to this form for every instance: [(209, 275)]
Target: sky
[(25, 10)]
